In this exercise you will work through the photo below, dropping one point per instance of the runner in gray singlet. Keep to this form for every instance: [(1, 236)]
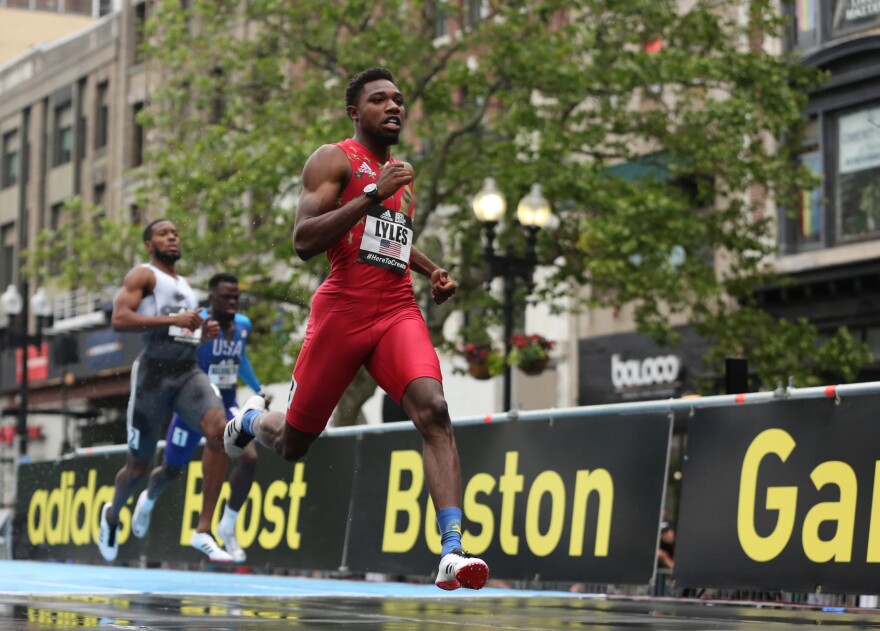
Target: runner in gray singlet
[(165, 378)]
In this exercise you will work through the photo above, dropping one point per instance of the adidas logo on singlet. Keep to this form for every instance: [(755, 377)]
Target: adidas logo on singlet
[(386, 215), (365, 168)]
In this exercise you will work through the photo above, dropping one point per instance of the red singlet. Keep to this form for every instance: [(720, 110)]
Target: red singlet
[(365, 312)]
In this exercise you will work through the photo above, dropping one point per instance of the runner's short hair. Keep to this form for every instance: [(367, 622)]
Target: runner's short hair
[(362, 78), (148, 231), (221, 277)]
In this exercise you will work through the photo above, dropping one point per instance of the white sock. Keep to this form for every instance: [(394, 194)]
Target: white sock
[(149, 502), (227, 522)]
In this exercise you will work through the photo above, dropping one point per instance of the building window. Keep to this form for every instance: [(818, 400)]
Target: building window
[(56, 221), (9, 176), (98, 194), (476, 12), (62, 144), (135, 215), (805, 28), (439, 18), (56, 216), (140, 31), (7, 253), (102, 115), (804, 227), (81, 134), (857, 185), (809, 211), (137, 140)]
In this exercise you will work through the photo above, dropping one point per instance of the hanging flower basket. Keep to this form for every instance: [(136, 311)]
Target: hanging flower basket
[(530, 353), (483, 361), (535, 367), (479, 370)]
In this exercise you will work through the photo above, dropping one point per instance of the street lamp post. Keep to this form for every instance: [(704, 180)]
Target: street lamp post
[(17, 307), (533, 212)]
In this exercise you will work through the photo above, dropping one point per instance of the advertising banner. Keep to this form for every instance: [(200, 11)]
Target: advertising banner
[(782, 496), (576, 499), (59, 510), (295, 515)]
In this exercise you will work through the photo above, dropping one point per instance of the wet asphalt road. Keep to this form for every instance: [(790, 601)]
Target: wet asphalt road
[(42, 596), (145, 611)]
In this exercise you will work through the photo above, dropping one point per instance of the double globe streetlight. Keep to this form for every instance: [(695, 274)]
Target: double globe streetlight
[(16, 308), (533, 213)]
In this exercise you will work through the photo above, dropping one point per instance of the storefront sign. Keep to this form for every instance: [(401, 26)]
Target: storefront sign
[(854, 15), (632, 367)]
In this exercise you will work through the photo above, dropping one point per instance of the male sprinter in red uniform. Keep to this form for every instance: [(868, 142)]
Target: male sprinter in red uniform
[(357, 205)]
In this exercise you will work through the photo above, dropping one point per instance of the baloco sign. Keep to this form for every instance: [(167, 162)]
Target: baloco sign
[(632, 373)]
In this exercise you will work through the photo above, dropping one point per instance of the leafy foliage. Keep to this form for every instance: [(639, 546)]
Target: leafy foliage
[(89, 251), (648, 152)]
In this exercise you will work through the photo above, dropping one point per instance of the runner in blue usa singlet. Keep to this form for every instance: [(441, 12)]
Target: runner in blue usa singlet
[(224, 360)]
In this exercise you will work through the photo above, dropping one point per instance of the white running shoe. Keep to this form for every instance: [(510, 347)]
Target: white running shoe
[(231, 544), (459, 569), (204, 542), (140, 520), (108, 544), (234, 438)]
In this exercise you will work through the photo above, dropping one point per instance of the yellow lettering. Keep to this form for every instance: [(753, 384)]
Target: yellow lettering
[(478, 514), (192, 502), (873, 534), (37, 517), (83, 499), (298, 490), (585, 483), (510, 484), (269, 538), (843, 512), (248, 525), (54, 519), (403, 501), (782, 499), (542, 544)]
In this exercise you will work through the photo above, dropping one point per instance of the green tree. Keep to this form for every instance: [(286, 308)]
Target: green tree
[(646, 124)]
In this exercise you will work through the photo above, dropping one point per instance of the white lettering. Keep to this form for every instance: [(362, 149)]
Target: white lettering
[(650, 371)]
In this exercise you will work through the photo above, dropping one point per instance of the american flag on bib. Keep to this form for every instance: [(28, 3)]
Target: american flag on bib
[(392, 248)]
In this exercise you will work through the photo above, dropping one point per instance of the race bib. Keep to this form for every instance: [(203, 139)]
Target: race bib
[(185, 336), (387, 239), (223, 375)]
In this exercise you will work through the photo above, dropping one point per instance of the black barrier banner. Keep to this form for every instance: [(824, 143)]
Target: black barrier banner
[(295, 515), (782, 496), (577, 499)]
